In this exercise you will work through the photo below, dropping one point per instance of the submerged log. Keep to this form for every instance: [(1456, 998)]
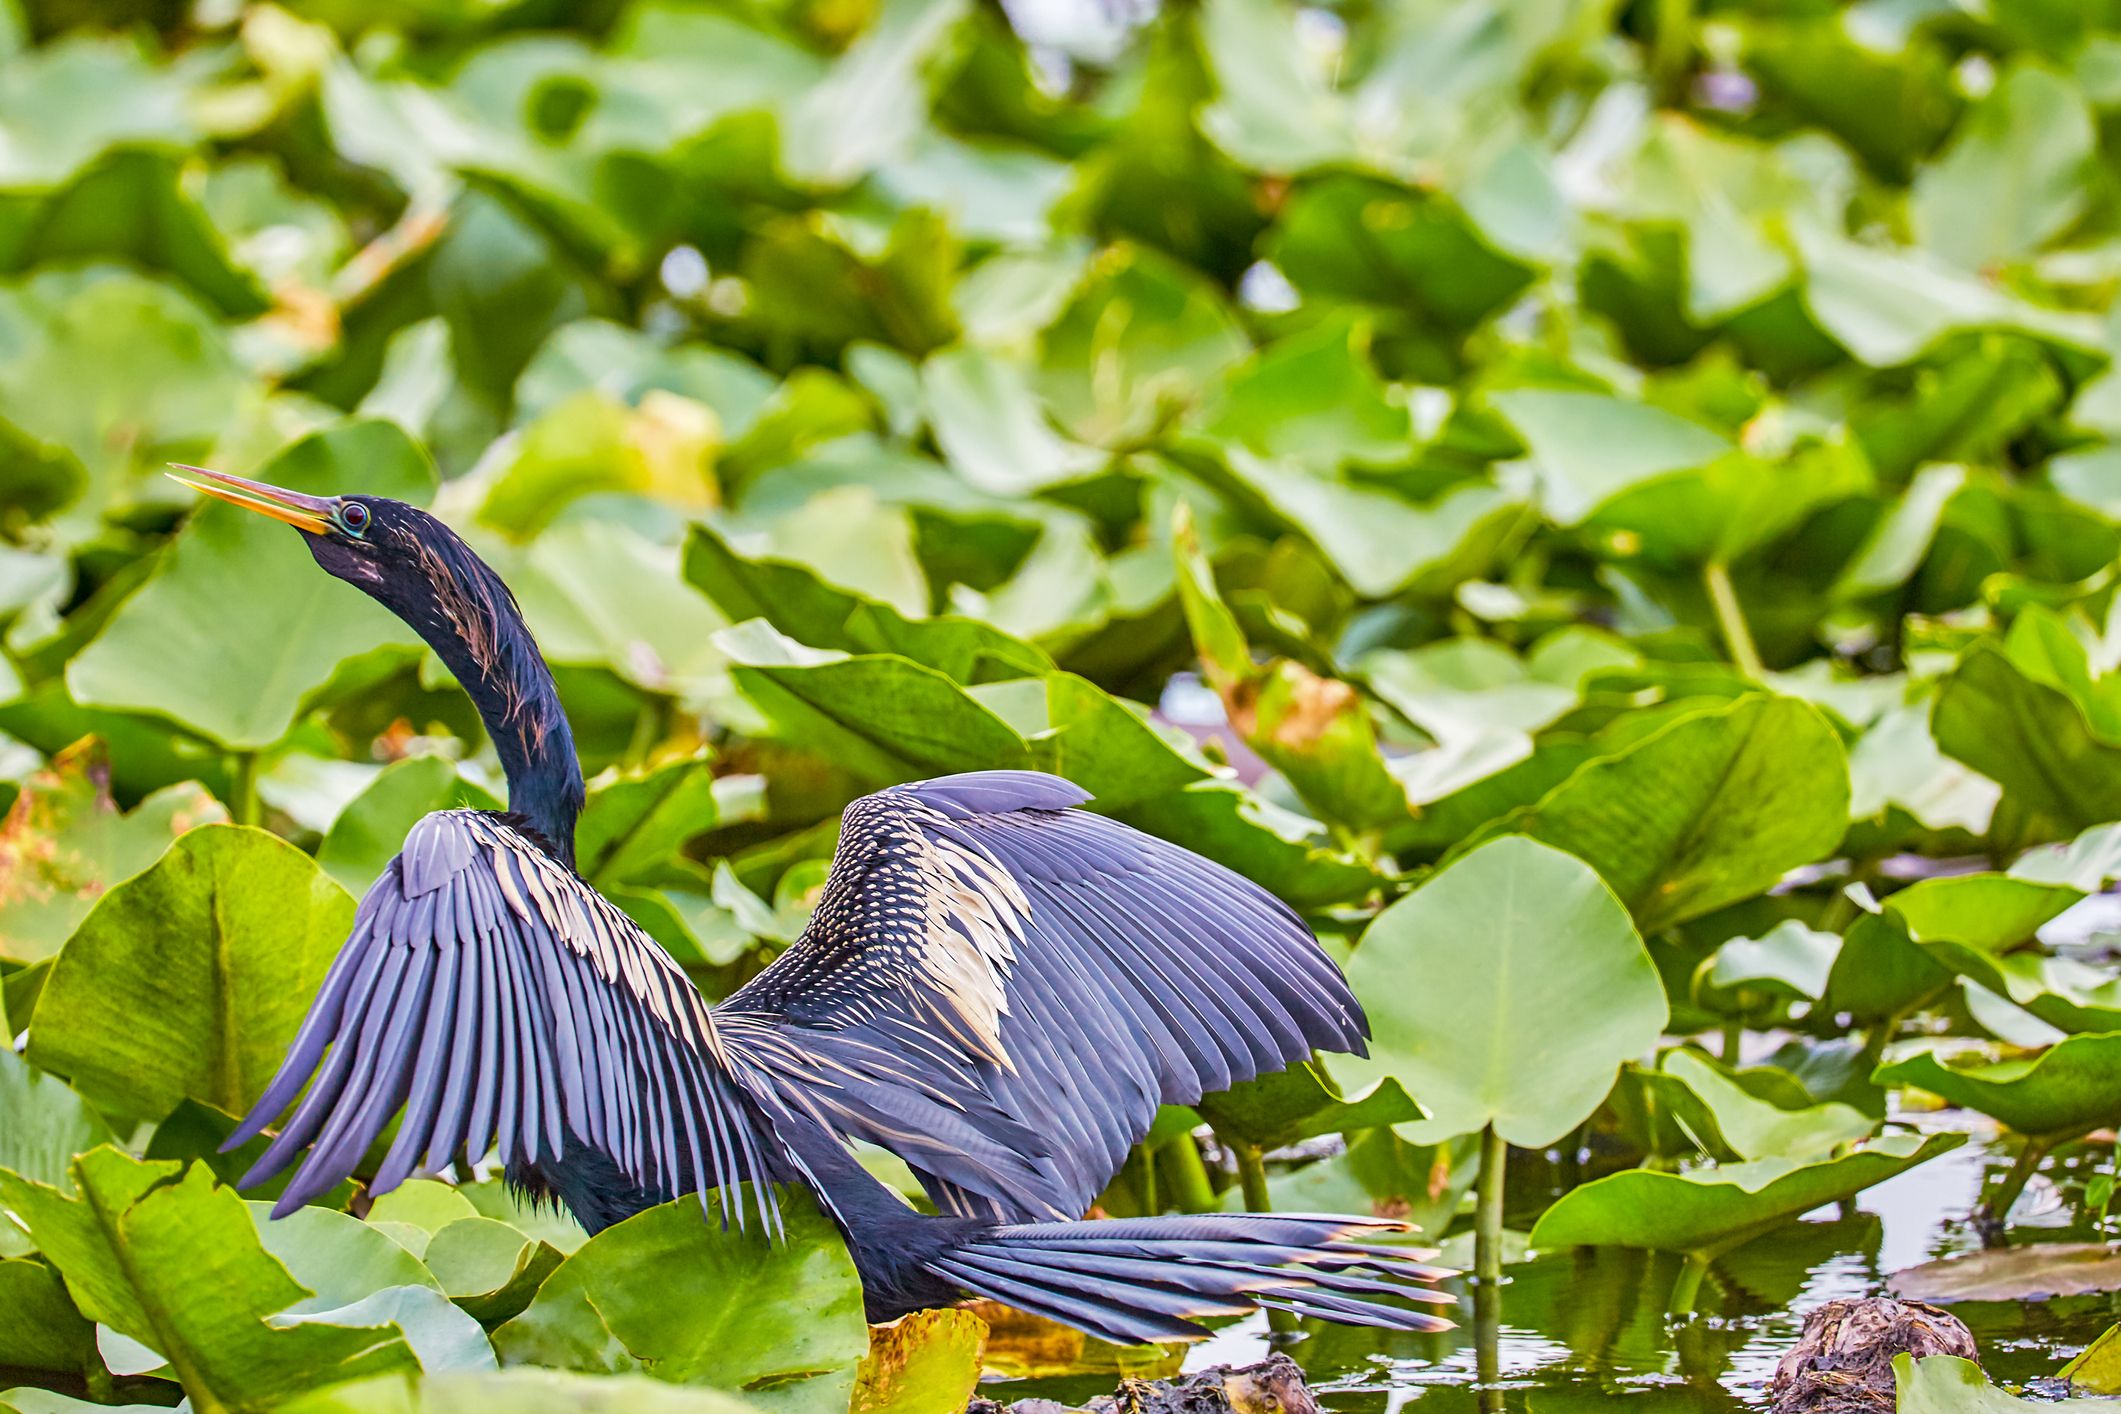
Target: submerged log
[(1274, 1386), (1842, 1363)]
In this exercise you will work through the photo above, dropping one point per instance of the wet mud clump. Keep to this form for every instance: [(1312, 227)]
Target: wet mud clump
[(1273, 1386), (1842, 1363)]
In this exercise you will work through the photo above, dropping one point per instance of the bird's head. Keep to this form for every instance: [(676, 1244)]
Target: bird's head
[(399, 555), (420, 570)]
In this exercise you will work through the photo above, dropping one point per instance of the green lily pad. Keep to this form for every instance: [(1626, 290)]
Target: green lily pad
[(423, 1205), (1709, 810), (441, 1336), (599, 594), (635, 823), (2089, 862), (1945, 1384), (1973, 925), (1789, 961), (2032, 135), (1752, 1128), (550, 1225), (1175, 334), (1317, 731), (1529, 966), (1889, 306), (43, 1124), (1109, 747), (1283, 852), (2031, 738), (2067, 1089), (190, 980), (992, 427), (1590, 448), (799, 603), (337, 1256), (176, 1265), (194, 1133), (489, 1268), (43, 1330), (1897, 766), (1712, 1209), (2097, 1368), (1421, 254), (1275, 1110), (1313, 398), (1381, 544), (756, 1314), (108, 373), (886, 718), (132, 206), (519, 1391)]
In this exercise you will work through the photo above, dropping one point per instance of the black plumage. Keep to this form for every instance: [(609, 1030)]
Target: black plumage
[(997, 986)]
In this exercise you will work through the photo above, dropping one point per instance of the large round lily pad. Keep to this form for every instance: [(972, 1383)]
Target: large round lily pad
[(1507, 991)]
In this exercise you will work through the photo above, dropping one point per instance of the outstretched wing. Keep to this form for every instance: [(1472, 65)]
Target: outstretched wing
[(1002, 990), (499, 1000)]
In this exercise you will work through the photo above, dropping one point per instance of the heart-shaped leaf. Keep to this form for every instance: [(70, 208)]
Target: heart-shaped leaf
[(1533, 989)]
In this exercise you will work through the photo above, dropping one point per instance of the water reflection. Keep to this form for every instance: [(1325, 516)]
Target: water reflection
[(1588, 1330)]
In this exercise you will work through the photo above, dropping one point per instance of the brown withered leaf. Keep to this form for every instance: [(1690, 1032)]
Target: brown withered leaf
[(64, 841)]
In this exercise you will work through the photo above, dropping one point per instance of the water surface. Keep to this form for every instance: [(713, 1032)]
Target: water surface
[(1588, 1329)]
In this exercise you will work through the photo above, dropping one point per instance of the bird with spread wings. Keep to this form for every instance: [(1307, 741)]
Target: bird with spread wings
[(997, 986)]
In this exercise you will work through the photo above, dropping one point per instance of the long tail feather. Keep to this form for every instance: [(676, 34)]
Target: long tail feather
[(1153, 1279)]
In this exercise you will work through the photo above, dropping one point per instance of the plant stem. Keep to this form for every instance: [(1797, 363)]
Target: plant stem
[(1881, 1034), (1997, 1210), (1252, 1181), (1571, 1172), (1149, 1203), (1730, 618), (1487, 1344), (1487, 1217), (1687, 1289), (1733, 1038), (1670, 46), (243, 789), (1186, 1176), (650, 725), (1252, 1176)]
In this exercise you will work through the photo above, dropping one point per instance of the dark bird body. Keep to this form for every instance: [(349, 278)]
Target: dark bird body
[(996, 986)]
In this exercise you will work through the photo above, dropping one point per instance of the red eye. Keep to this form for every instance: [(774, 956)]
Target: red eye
[(354, 516)]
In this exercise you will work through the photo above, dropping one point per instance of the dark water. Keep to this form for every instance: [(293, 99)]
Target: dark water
[(1588, 1329)]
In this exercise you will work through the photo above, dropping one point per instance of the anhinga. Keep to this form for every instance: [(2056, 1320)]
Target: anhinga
[(996, 986)]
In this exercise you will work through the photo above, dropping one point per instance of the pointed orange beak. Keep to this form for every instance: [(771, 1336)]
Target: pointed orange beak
[(310, 514)]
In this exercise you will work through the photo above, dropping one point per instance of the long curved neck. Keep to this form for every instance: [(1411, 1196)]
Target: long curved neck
[(472, 621), (521, 708)]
